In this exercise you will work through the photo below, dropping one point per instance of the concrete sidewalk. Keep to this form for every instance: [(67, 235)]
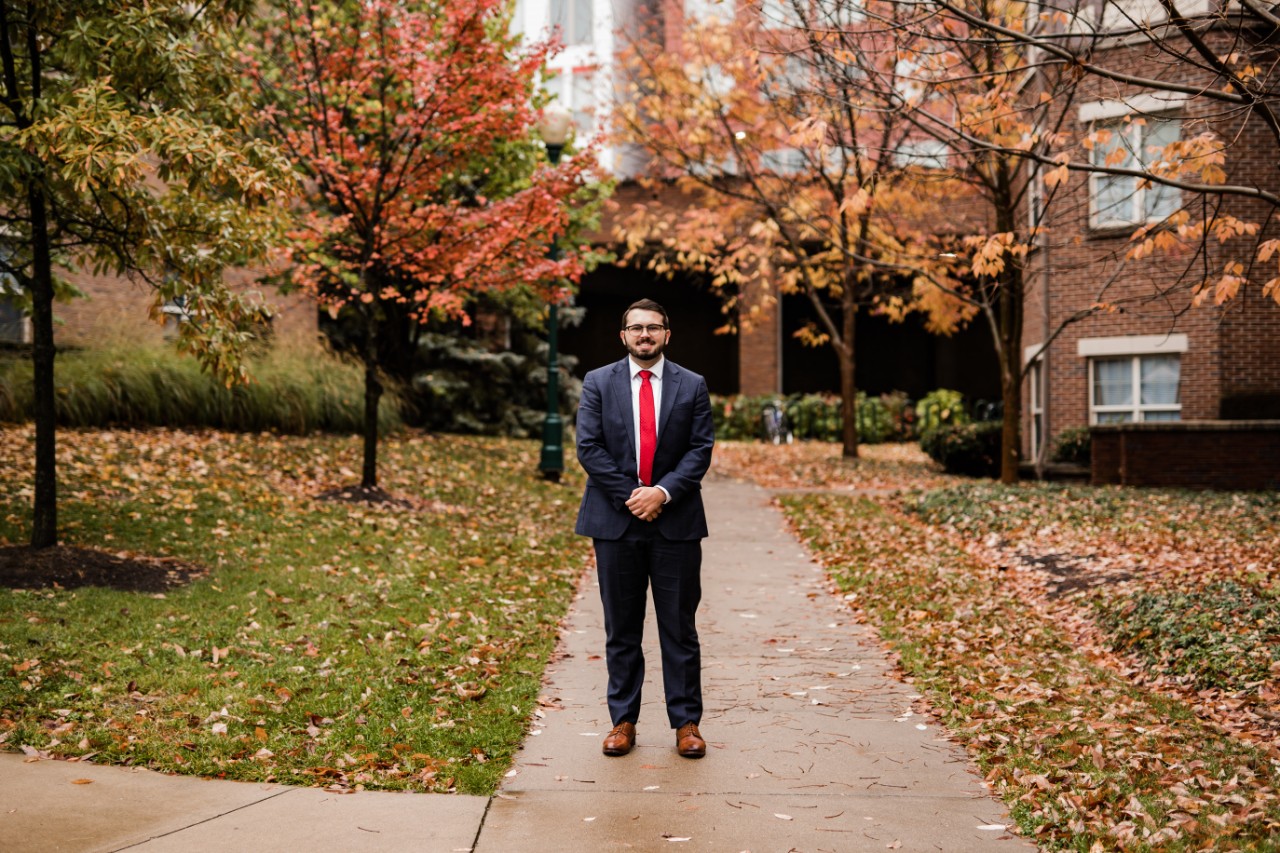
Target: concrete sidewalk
[(812, 747)]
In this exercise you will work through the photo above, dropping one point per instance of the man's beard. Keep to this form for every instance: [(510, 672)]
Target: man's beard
[(642, 351)]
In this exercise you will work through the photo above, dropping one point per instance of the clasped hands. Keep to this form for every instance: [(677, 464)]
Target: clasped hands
[(646, 502)]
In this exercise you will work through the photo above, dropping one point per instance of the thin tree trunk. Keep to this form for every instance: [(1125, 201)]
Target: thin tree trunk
[(1011, 305), (44, 529), (848, 382), (372, 395)]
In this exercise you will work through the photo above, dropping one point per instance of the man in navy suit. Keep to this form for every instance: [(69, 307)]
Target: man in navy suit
[(644, 438)]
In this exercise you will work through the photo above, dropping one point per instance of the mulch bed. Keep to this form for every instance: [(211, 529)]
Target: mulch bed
[(374, 495), (68, 567)]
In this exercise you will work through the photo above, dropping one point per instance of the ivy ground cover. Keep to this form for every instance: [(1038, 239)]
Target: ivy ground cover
[(1109, 656), (323, 643)]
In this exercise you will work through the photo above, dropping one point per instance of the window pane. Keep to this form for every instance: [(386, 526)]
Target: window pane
[(778, 13), (581, 22), (1114, 195), (583, 104), (1160, 200), (559, 18), (705, 9), (1113, 382), (13, 322), (1115, 417), (1113, 199), (1162, 416), (1160, 380)]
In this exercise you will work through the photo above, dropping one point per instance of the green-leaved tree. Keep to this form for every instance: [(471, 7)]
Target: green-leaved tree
[(124, 149)]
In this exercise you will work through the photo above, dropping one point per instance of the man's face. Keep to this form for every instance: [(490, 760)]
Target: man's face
[(647, 343)]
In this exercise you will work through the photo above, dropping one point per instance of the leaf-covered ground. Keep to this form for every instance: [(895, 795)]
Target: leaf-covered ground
[(1109, 656), (334, 644)]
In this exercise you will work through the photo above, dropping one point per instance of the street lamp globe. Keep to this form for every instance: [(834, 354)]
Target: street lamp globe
[(554, 125)]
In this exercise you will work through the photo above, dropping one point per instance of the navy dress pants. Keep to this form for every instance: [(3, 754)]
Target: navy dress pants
[(627, 567)]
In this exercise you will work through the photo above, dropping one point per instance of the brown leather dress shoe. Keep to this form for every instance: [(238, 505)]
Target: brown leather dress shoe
[(689, 742), (620, 739)]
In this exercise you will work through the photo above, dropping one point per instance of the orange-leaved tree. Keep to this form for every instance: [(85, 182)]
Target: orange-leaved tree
[(1185, 100), (390, 110), (974, 101), (800, 180), (1147, 120)]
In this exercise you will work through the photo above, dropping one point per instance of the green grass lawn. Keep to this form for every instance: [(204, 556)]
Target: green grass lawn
[(330, 644)]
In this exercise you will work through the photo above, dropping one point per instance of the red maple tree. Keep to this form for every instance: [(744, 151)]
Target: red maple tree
[(397, 117)]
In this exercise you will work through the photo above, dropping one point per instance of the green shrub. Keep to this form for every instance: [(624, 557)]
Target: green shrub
[(816, 417), (1073, 446), (969, 449), (875, 423), (465, 388), (942, 407), (290, 391), (811, 417)]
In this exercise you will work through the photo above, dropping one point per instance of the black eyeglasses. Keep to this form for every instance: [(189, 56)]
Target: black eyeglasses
[(652, 328)]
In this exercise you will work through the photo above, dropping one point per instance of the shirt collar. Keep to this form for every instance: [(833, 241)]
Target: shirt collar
[(656, 370)]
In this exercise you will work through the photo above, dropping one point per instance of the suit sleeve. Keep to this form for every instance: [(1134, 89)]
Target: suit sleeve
[(593, 454), (689, 471)]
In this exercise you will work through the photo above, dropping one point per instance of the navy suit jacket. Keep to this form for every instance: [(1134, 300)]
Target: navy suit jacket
[(607, 451)]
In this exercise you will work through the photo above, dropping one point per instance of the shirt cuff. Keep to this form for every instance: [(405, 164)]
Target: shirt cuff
[(665, 492)]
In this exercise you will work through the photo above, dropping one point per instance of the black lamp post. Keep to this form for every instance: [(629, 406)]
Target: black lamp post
[(554, 127)]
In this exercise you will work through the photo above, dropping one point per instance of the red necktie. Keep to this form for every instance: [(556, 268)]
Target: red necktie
[(648, 429)]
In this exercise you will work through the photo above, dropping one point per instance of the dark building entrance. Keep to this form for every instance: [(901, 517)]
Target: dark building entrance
[(891, 356), (695, 315)]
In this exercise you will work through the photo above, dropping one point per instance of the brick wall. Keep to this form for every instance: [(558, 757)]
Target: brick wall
[(1233, 351), (1205, 455), (116, 309)]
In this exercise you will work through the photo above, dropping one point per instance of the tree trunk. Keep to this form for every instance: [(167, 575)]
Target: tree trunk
[(44, 529), (1011, 305), (372, 395), (848, 382)]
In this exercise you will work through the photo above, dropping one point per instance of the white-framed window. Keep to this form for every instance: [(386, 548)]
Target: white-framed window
[(836, 14), (790, 78), (175, 314), (704, 10), (574, 89), (784, 161), (1035, 383), (1133, 142), (573, 18), (15, 325), (1120, 16), (1134, 378), (584, 102), (1035, 195), (926, 153), (1135, 388), (779, 14)]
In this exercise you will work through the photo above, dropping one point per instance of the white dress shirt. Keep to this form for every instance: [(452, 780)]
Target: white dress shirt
[(655, 382)]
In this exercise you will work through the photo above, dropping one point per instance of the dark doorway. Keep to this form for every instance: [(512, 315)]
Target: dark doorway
[(695, 315), (891, 357)]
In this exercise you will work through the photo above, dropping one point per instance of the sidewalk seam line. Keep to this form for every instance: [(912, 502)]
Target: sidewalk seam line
[(475, 842), (151, 838)]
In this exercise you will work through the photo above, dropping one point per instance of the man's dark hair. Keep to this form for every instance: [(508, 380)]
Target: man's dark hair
[(646, 305)]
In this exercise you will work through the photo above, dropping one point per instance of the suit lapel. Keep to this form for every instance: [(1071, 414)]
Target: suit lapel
[(671, 376), (621, 385)]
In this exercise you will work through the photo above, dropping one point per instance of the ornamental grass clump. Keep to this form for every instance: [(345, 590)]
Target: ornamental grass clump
[(291, 390)]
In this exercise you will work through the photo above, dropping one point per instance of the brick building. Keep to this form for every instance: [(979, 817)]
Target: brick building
[(1154, 358), (117, 310)]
